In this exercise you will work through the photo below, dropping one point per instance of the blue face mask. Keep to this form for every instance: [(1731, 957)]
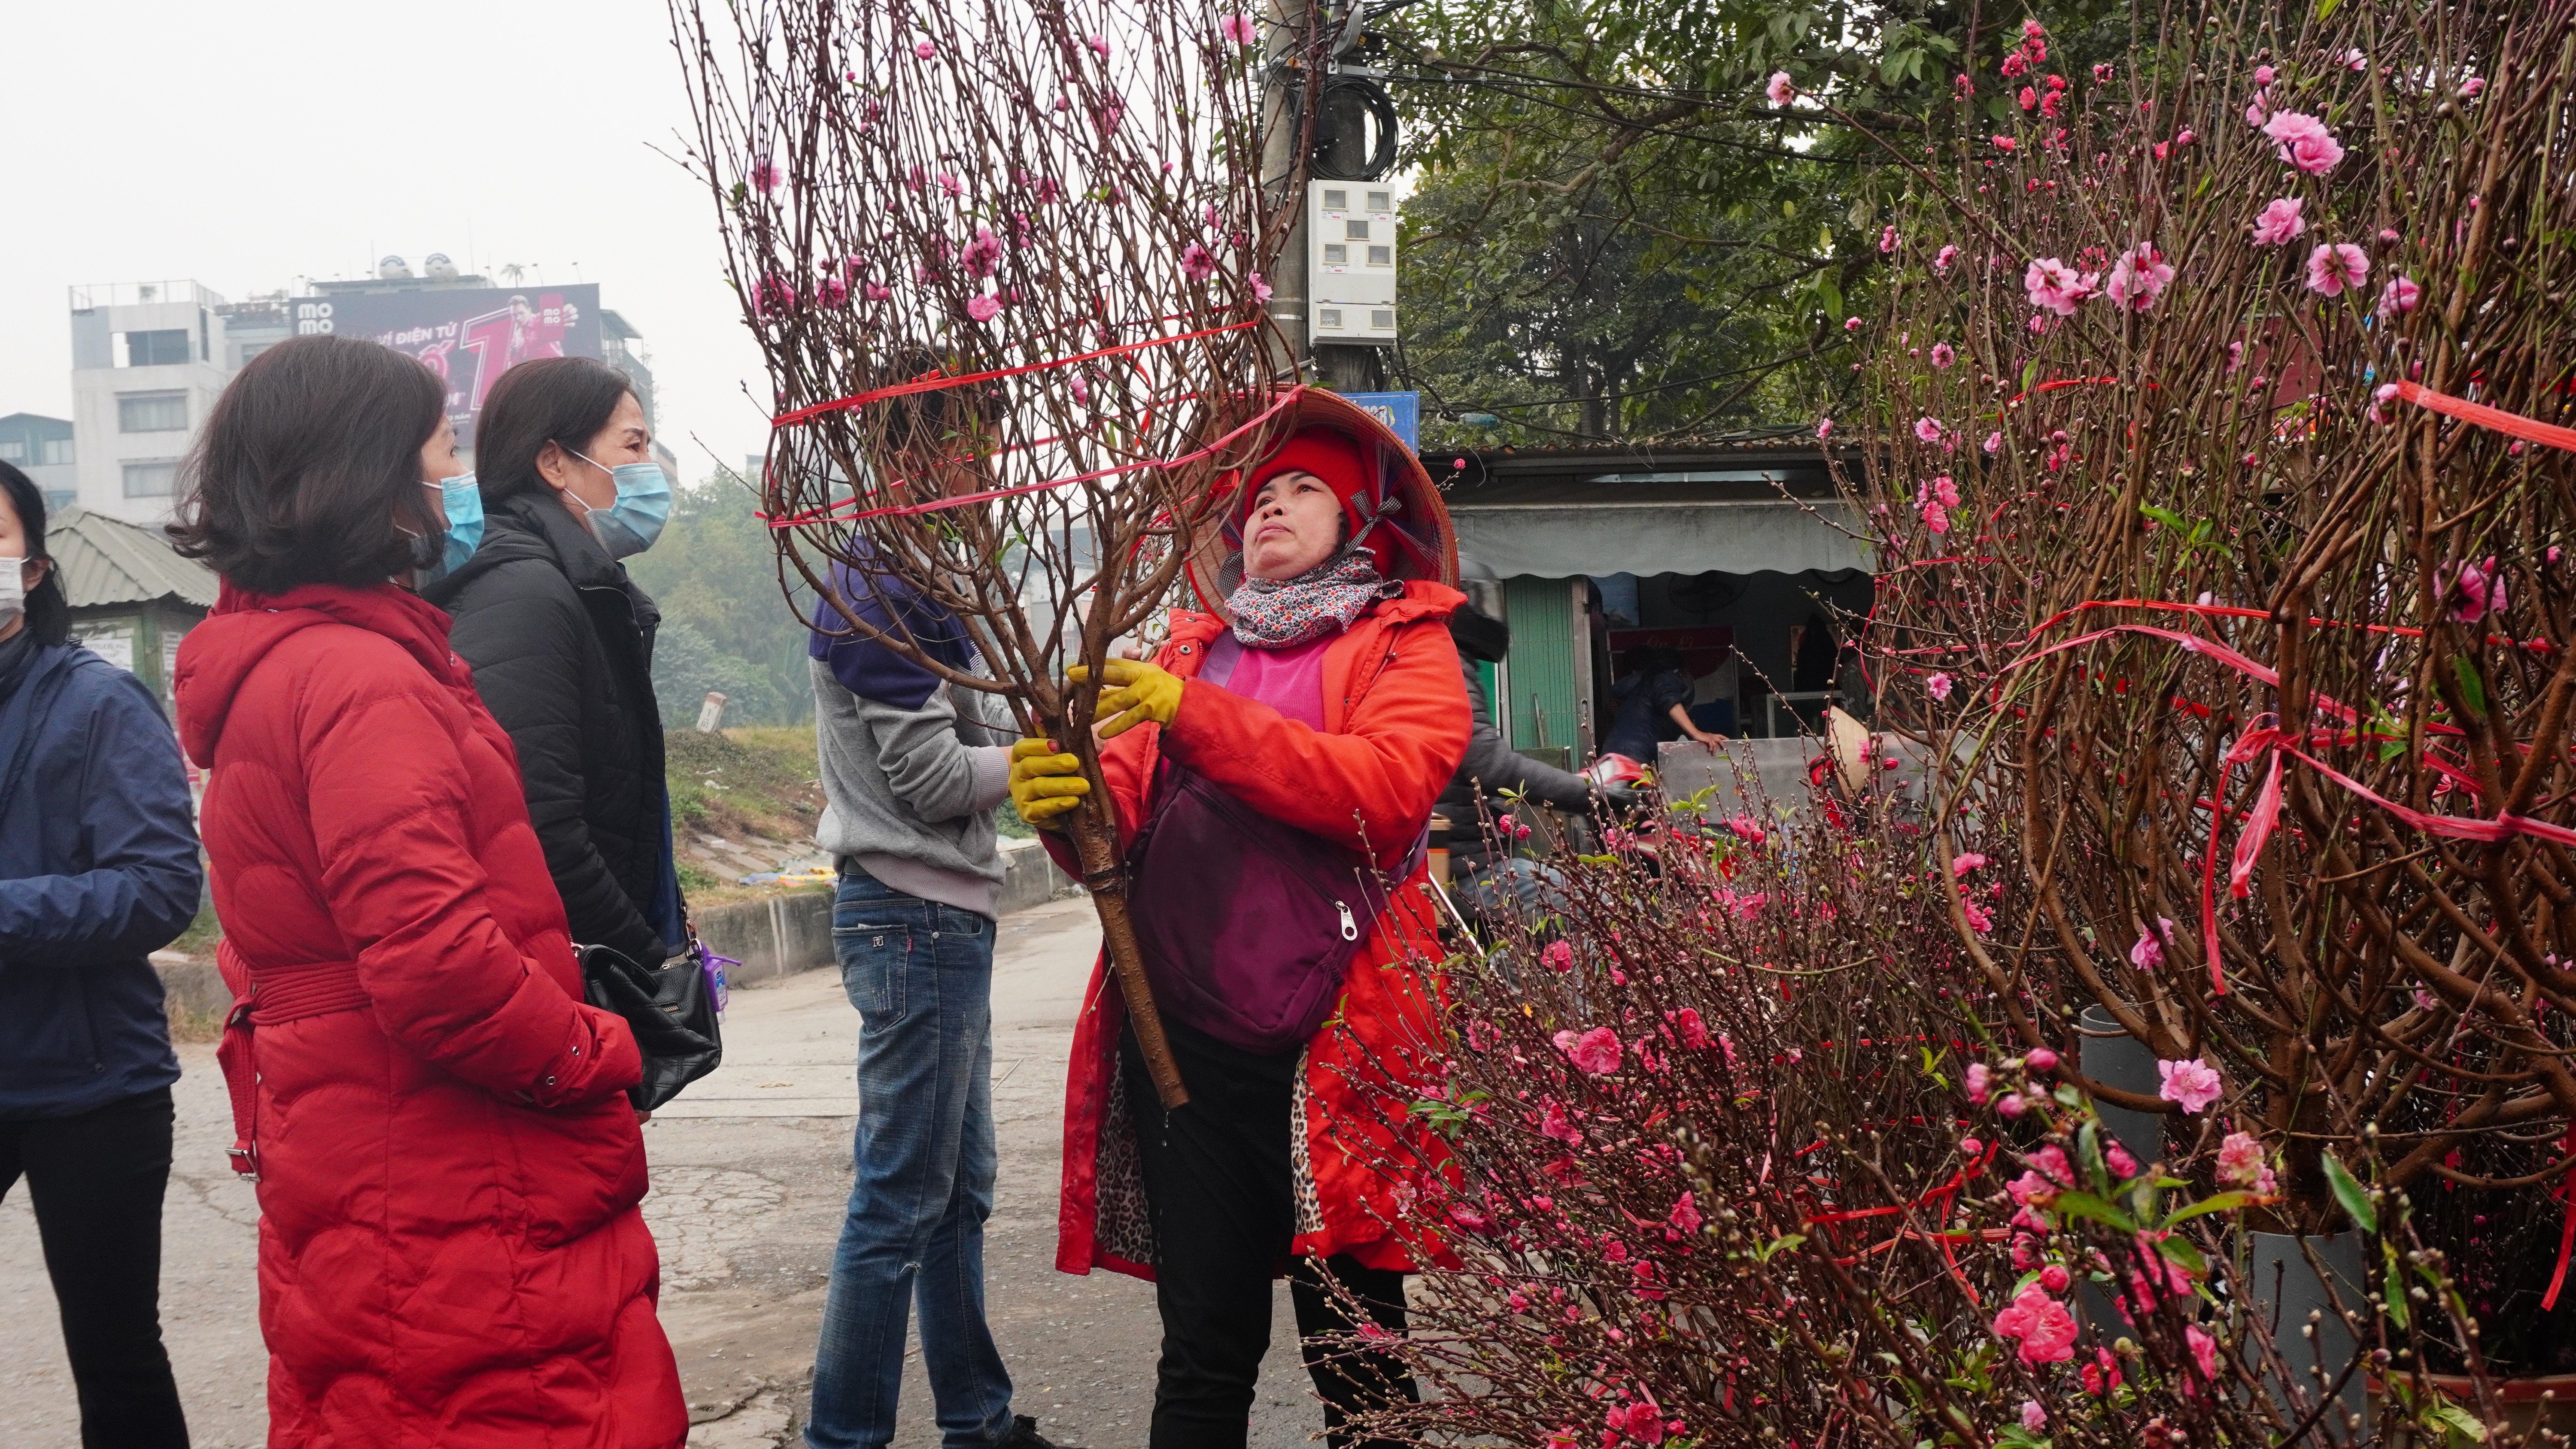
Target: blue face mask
[(629, 526), (464, 504)]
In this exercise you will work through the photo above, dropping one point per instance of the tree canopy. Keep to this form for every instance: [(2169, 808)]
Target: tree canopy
[(1619, 234)]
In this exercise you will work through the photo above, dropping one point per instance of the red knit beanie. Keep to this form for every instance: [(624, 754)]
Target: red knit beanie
[(1343, 464)]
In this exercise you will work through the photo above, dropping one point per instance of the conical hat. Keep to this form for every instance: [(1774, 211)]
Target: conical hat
[(1426, 544), (1849, 741)]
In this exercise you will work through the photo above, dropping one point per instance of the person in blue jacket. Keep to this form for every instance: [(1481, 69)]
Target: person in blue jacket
[(98, 868)]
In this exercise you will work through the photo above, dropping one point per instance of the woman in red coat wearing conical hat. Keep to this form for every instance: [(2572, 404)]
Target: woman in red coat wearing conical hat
[(1320, 696)]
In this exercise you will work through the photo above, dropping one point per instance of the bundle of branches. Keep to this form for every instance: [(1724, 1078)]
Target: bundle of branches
[(1734, 1165), (2220, 552), (1004, 262)]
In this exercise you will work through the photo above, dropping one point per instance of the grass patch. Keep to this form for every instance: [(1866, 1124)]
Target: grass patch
[(202, 934), (759, 780)]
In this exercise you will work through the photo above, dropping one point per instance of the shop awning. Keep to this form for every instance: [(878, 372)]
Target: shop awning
[(1675, 536)]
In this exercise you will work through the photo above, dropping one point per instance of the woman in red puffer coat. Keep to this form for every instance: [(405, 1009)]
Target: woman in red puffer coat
[(450, 1249)]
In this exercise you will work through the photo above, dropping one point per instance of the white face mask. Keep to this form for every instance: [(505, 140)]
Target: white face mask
[(13, 590)]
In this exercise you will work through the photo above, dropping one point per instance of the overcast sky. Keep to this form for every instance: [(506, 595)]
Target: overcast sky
[(249, 145)]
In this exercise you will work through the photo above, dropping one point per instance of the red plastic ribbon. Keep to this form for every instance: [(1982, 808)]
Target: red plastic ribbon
[(928, 384), (2566, 1193), (2530, 430)]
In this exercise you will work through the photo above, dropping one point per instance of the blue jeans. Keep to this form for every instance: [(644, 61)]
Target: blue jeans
[(921, 975)]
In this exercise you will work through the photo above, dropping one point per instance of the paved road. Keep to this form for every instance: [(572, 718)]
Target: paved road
[(751, 1172)]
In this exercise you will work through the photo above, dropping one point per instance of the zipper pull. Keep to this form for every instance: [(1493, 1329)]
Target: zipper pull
[(1350, 923)]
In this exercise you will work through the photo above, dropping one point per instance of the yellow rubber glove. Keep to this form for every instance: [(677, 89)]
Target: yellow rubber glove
[(1141, 692), (1045, 783)]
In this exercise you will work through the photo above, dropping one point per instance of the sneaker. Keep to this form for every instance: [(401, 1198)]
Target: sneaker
[(1024, 1435)]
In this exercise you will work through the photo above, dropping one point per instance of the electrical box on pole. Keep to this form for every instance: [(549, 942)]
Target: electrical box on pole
[(1350, 263)]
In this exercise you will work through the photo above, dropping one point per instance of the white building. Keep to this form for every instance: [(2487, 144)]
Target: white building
[(148, 359)]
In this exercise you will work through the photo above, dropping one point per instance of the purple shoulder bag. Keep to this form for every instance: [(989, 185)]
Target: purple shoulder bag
[(1248, 925)]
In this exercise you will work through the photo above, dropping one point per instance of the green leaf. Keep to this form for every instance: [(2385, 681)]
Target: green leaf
[(2459, 1421), (2086, 1205), (1788, 1242), (2471, 690), (2396, 1296), (2326, 8), (2225, 1202), (2187, 1253), (2165, 516), (2349, 1192)]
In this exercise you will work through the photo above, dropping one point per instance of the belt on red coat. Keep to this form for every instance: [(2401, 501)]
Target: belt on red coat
[(273, 998)]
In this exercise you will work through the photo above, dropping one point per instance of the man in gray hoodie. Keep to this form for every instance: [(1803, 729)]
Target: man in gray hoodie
[(913, 766)]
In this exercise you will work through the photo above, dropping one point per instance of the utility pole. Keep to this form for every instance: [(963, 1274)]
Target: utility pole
[(1283, 171), (1324, 75)]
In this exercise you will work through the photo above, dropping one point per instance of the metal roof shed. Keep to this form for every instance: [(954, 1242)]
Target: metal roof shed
[(1757, 520), (132, 598)]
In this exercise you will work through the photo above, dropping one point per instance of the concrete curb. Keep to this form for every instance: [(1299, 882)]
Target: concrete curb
[(779, 936)]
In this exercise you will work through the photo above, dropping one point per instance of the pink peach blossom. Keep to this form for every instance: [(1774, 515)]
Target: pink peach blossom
[(2472, 88), (2336, 266), (2149, 952), (2472, 592), (2004, 143), (2192, 1084), (1824, 427), (1980, 1083), (1886, 239), (1964, 862), (2045, 1328), (1943, 354), (2280, 221), (2033, 1417), (984, 307), (1099, 45), (1260, 288), (1938, 686), (1941, 259), (1197, 262), (1595, 1051), (2263, 75), (925, 50), (1240, 29), (1779, 89), (2138, 278), (2056, 287), (2400, 295), (2304, 142), (1994, 442), (2054, 1278), (1927, 430), (1693, 1033), (1557, 956), (2241, 1165), (2204, 1350), (2042, 1059)]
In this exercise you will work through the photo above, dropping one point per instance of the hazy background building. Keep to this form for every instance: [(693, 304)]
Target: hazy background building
[(149, 359)]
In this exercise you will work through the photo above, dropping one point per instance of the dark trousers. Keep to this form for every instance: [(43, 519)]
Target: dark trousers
[(1219, 1187), (96, 1180)]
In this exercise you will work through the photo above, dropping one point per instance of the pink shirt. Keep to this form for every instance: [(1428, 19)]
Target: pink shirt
[(1289, 680)]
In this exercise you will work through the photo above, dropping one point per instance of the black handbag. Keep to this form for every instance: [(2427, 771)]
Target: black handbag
[(672, 1009)]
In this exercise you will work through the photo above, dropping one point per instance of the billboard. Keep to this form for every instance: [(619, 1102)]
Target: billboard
[(468, 336)]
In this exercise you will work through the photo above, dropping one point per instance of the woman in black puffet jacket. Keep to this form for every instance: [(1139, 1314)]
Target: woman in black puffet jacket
[(561, 640)]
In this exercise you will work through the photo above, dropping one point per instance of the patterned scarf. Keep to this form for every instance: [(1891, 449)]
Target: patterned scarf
[(1278, 613)]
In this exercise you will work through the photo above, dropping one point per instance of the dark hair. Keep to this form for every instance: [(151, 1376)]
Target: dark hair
[(310, 466), (565, 401), (49, 611)]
